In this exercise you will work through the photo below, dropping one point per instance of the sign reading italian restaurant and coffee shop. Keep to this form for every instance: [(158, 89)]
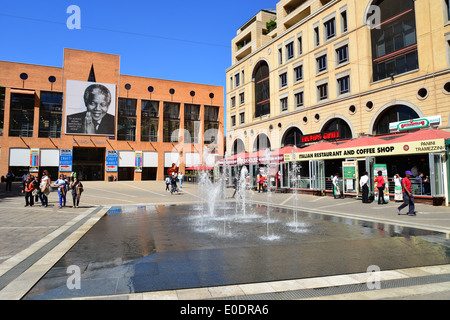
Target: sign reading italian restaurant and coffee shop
[(402, 148)]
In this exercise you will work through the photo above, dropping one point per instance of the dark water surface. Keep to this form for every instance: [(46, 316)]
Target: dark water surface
[(151, 248)]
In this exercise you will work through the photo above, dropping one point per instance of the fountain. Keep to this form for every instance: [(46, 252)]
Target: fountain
[(294, 178)]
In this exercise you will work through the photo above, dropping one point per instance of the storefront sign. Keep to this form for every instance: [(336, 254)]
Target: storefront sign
[(320, 136), (412, 147), (34, 160), (65, 160), (112, 161), (434, 121)]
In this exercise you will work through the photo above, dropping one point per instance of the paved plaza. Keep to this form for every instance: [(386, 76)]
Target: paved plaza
[(34, 238)]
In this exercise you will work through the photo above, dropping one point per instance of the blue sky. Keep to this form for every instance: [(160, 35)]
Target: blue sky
[(175, 40)]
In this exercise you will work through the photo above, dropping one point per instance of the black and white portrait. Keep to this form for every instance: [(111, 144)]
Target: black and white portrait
[(90, 108)]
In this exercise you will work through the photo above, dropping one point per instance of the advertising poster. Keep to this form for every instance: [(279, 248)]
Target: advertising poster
[(138, 161), (90, 108), (112, 161), (34, 160), (65, 160), (383, 169)]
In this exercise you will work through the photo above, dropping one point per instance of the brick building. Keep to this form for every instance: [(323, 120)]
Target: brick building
[(154, 123)]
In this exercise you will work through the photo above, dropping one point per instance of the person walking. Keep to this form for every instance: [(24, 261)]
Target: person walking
[(260, 182), (363, 183), (407, 195), (236, 186), (180, 179), (29, 187), (380, 186), (77, 188), (9, 179), (45, 188), (168, 184), (61, 183), (37, 191)]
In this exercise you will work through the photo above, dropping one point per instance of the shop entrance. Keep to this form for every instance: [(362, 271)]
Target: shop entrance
[(89, 163)]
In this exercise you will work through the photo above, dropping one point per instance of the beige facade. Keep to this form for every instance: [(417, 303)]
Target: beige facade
[(321, 67)]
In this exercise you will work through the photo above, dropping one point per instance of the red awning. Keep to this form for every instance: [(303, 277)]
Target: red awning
[(200, 168)]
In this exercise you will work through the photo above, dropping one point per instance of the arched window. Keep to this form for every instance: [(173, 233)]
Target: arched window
[(262, 89), (393, 37), (238, 147), (262, 142), (292, 137), (337, 124), (393, 114)]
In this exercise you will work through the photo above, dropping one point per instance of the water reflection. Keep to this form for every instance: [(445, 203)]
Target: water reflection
[(147, 248)]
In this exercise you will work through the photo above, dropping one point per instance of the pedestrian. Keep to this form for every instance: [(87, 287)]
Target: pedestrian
[(398, 196), (419, 180), (260, 181), (9, 179), (37, 191), (61, 183), (167, 183), (407, 195), (45, 188), (174, 184), (24, 178), (336, 188), (77, 188), (180, 179), (380, 186), (363, 183), (235, 182), (30, 186)]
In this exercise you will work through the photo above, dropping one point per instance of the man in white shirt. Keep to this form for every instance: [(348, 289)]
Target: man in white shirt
[(363, 183), (337, 190)]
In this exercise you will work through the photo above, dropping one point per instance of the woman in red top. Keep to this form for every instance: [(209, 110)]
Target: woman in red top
[(380, 186)]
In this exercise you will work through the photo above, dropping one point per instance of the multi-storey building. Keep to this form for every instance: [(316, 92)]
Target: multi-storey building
[(348, 68), (145, 125)]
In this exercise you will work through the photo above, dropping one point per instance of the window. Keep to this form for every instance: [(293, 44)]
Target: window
[(149, 120), (171, 122), (343, 85), (321, 63), (233, 121), (447, 10), (298, 73), (241, 98), (448, 49), (322, 92), (316, 36), (262, 89), (50, 115), (21, 115), (280, 56), (191, 123), (283, 80), (344, 22), (237, 80), (126, 122), (342, 55), (284, 104), (233, 102), (299, 99), (2, 109), (211, 124), (241, 117), (300, 45), (394, 42), (289, 51), (330, 28)]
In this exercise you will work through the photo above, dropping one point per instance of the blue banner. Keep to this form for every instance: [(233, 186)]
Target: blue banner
[(112, 161), (65, 160)]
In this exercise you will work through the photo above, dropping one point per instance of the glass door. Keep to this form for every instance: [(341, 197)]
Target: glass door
[(370, 161), (317, 174), (437, 174)]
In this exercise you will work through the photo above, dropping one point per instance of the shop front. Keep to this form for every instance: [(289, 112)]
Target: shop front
[(422, 152)]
